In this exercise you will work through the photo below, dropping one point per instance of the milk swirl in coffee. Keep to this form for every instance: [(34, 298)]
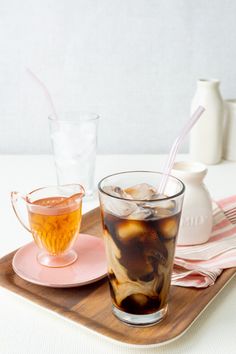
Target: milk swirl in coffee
[(140, 239)]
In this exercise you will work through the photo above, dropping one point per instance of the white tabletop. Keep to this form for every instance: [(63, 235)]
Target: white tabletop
[(26, 328)]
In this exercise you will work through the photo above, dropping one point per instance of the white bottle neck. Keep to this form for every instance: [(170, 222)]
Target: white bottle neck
[(208, 84)]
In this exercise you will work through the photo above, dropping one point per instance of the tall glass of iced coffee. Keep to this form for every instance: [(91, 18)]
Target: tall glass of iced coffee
[(140, 230)]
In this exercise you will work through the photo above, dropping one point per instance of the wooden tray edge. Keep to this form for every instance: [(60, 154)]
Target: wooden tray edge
[(110, 339), (6, 284)]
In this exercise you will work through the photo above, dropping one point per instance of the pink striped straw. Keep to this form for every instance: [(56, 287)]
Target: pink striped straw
[(45, 90), (171, 158)]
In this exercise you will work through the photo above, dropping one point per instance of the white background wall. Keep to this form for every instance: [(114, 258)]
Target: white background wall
[(135, 62)]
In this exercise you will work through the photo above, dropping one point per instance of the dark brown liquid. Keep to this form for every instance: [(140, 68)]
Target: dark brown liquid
[(141, 264)]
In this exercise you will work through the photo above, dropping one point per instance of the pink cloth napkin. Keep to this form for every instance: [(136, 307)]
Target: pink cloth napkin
[(199, 266)]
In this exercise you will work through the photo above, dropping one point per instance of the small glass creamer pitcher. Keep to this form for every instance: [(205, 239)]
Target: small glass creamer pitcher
[(54, 218)]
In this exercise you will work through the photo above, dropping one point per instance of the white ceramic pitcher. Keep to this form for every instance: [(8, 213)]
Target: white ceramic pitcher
[(196, 220)]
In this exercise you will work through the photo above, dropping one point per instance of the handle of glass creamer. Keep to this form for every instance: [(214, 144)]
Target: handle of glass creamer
[(15, 198)]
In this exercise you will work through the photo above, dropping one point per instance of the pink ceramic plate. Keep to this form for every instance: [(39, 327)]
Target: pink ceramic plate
[(88, 268)]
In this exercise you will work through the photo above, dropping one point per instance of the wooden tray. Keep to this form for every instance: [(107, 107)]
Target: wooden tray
[(90, 305)]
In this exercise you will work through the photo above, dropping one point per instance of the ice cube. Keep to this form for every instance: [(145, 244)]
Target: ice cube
[(159, 209), (141, 214), (168, 204), (128, 230), (161, 212), (61, 145), (168, 227), (142, 191), (115, 191), (74, 141), (118, 207)]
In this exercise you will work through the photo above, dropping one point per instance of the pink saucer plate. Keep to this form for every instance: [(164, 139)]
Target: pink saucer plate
[(89, 267)]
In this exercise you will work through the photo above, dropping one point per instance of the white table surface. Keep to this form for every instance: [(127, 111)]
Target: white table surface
[(26, 328)]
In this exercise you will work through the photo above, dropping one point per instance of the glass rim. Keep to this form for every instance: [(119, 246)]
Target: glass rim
[(53, 186), (141, 200), (88, 117)]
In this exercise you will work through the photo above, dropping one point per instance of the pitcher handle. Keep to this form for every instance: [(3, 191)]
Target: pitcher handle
[(15, 197)]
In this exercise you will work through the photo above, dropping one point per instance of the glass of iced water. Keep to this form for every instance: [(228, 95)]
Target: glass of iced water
[(74, 142)]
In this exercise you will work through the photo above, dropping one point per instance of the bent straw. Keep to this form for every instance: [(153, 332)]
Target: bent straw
[(171, 158), (45, 90)]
